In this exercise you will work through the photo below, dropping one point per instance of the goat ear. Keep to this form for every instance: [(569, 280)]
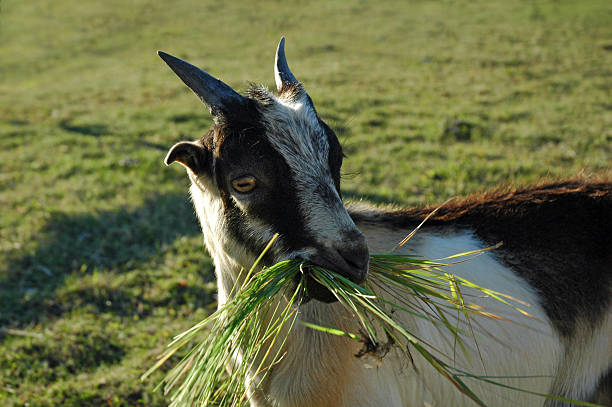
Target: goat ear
[(191, 155)]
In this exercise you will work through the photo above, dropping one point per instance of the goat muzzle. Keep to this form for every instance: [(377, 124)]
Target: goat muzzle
[(350, 261)]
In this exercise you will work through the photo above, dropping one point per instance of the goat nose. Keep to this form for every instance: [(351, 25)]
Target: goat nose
[(357, 257)]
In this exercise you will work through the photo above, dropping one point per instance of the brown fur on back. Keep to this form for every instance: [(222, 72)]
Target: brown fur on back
[(511, 199), (556, 235)]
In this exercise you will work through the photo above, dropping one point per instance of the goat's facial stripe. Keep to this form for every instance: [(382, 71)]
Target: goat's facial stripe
[(313, 155)]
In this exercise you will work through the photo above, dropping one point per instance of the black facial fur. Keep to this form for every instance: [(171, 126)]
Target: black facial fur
[(335, 154), (236, 146), (242, 148)]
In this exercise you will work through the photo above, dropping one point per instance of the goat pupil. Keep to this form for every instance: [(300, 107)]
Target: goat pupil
[(244, 184)]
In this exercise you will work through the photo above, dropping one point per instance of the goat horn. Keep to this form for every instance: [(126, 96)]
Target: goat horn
[(282, 73), (218, 96)]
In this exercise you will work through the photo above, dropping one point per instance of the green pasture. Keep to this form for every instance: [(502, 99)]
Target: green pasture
[(101, 258)]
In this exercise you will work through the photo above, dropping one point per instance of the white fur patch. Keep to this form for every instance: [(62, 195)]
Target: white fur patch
[(588, 356), (229, 255), (523, 347)]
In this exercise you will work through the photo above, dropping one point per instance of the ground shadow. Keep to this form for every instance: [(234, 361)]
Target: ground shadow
[(117, 240), (93, 129)]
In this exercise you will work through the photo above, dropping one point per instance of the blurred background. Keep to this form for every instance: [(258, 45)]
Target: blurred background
[(101, 258)]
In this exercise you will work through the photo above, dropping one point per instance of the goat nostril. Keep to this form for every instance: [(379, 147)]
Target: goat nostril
[(357, 261), (357, 258)]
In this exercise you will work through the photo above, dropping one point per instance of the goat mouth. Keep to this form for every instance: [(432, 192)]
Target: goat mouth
[(316, 290)]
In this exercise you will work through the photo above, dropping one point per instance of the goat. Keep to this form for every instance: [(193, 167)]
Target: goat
[(269, 165)]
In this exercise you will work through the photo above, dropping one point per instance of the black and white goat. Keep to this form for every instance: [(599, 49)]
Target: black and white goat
[(269, 164)]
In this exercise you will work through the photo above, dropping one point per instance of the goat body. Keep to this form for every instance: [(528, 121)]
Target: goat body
[(270, 165)]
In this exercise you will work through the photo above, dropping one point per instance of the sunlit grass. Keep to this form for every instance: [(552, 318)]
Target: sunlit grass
[(95, 232)]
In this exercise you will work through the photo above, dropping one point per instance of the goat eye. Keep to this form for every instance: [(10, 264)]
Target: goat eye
[(244, 184)]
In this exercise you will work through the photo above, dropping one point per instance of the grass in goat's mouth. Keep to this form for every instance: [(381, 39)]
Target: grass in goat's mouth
[(246, 335)]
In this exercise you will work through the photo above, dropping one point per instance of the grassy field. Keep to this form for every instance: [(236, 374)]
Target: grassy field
[(101, 259)]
